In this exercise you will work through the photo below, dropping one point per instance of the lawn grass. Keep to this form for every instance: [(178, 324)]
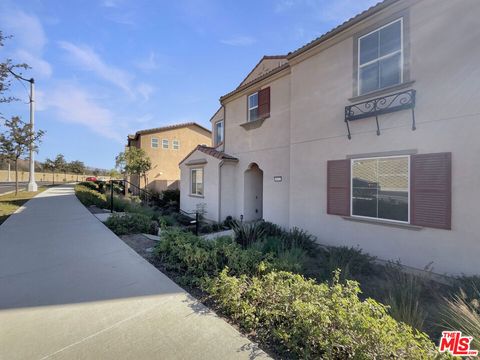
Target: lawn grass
[(10, 203)]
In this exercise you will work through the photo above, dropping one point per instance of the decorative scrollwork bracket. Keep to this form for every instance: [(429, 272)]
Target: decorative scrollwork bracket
[(379, 106)]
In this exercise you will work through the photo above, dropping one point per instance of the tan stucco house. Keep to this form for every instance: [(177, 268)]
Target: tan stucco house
[(166, 146), (366, 136)]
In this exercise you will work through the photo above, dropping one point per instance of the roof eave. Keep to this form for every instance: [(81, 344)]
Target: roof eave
[(254, 82), (342, 27)]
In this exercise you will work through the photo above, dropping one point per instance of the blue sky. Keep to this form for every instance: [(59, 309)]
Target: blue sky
[(107, 68)]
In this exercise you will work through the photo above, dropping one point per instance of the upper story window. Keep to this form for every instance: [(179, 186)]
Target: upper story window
[(154, 143), (380, 58), (176, 144), (380, 188), (165, 143), (253, 107), (219, 132)]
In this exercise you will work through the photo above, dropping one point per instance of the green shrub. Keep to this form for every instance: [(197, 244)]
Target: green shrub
[(300, 238), (248, 233), (404, 293), (228, 222), (101, 185), (89, 184), (182, 219), (167, 220), (171, 196), (120, 204), (196, 258), (292, 260), (206, 229), (351, 261), (302, 319), (89, 197), (271, 229), (141, 209), (129, 223)]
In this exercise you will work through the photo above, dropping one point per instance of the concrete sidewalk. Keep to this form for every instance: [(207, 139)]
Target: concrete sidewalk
[(71, 289)]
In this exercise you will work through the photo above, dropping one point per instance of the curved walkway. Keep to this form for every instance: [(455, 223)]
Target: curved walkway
[(71, 289)]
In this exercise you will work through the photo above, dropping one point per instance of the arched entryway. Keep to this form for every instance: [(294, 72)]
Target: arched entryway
[(253, 193)]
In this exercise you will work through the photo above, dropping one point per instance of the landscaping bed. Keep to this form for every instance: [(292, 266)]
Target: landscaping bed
[(142, 245), (302, 300)]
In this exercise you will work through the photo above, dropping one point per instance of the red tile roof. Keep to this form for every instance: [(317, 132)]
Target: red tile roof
[(164, 128), (212, 152)]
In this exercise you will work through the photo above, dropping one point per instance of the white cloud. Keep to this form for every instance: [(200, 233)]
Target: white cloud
[(73, 104), (87, 58), (40, 66), (28, 42), (145, 90), (283, 5), (144, 119), (240, 40), (111, 3), (148, 64)]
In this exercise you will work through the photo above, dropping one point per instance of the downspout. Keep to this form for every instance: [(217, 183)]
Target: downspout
[(220, 165)]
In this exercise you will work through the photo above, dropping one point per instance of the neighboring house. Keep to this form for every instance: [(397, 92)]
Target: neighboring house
[(363, 137), (166, 146)]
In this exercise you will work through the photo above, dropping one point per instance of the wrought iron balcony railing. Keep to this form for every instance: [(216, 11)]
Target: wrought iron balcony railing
[(379, 106)]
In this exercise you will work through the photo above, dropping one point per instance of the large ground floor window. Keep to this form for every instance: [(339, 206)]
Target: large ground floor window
[(196, 176), (380, 188)]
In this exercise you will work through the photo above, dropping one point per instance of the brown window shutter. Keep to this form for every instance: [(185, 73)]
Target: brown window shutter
[(264, 103), (338, 187), (431, 190)]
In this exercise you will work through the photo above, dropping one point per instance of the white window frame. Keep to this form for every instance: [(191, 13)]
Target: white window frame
[(165, 144), (223, 131), (408, 188), (175, 144), (154, 140), (401, 52), (191, 182), (251, 108)]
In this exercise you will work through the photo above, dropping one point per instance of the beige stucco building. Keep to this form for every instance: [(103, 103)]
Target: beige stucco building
[(364, 137), (166, 146)]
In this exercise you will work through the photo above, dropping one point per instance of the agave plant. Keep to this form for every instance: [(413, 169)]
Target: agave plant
[(247, 233)]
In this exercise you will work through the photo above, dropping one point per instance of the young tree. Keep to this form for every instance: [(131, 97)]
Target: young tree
[(55, 165), (16, 141), (134, 161), (77, 167), (6, 76), (114, 174)]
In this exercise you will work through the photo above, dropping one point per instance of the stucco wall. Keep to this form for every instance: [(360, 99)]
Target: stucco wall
[(210, 199), (263, 67), (228, 187), (267, 146), (444, 66), (165, 169), (41, 176)]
